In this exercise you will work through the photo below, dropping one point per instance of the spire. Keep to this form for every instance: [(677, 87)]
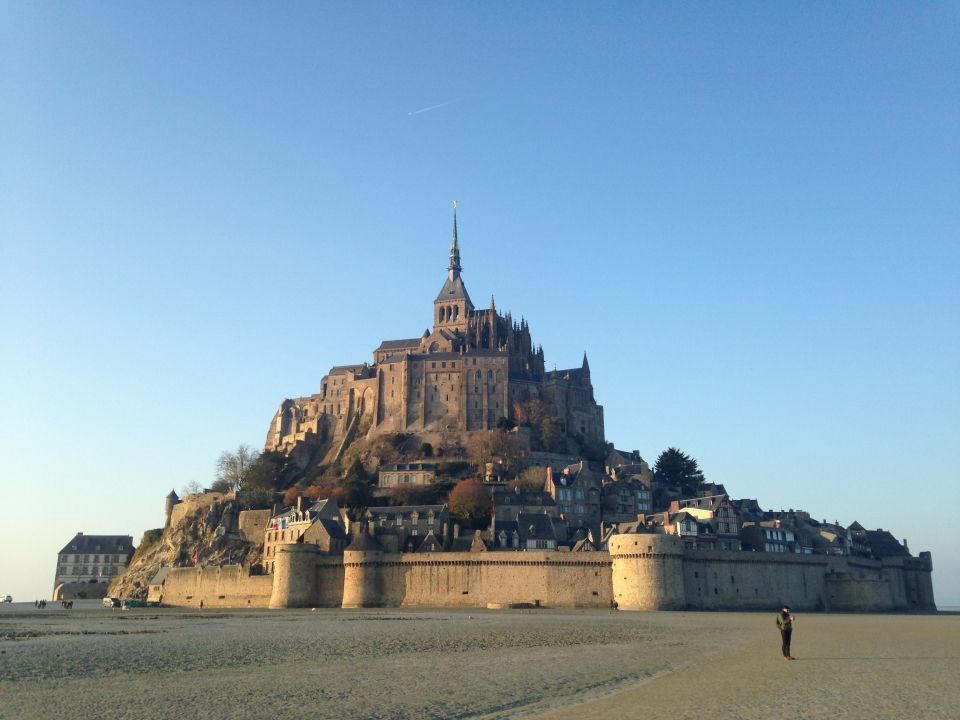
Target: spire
[(454, 268), (586, 365)]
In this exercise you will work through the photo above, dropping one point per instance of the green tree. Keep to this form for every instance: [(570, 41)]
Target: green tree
[(266, 473), (232, 468), (678, 472), (356, 488), (471, 502), (552, 436)]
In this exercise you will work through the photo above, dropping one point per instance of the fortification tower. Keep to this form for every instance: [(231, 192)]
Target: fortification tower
[(294, 577), (647, 571), (362, 585), (168, 502)]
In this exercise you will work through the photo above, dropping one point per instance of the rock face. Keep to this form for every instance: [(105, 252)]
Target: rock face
[(203, 529)]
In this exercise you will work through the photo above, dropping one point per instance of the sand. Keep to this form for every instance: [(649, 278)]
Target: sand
[(148, 663)]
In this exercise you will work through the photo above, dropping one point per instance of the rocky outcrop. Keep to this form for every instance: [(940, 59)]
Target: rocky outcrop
[(204, 530)]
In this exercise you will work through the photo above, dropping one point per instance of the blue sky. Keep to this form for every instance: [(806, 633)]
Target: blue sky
[(746, 214)]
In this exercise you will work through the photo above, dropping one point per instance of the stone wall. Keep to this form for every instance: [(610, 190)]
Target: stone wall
[(252, 525), (229, 586), (641, 572)]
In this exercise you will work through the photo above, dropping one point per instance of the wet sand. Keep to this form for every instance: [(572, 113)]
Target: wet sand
[(93, 662)]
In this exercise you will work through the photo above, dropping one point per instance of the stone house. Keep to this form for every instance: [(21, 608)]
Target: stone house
[(507, 504), (405, 474), (319, 523), (624, 499), (718, 511), (94, 560), (577, 490), (771, 536), (392, 526), (530, 531)]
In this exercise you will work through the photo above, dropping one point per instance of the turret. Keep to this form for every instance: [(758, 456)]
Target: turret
[(168, 502)]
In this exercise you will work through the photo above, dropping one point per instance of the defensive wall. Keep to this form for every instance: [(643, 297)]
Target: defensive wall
[(640, 572)]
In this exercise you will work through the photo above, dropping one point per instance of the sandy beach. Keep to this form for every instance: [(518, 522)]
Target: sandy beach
[(93, 662)]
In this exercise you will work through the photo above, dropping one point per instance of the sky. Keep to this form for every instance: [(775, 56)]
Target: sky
[(745, 213)]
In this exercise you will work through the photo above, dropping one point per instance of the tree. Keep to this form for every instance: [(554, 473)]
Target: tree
[(414, 495), (501, 448), (470, 501), (678, 472), (265, 473), (356, 488), (533, 479), (190, 488), (232, 467), (551, 435)]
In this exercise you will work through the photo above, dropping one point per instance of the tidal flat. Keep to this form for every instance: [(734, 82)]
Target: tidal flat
[(388, 663)]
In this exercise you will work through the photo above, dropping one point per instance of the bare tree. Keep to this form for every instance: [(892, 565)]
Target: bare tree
[(232, 467)]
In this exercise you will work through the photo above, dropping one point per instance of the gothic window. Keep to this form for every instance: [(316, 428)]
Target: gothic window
[(456, 312), (479, 374)]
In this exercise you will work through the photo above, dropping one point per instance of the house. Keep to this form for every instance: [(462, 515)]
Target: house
[(720, 512), (577, 492), (392, 526), (405, 474), (317, 524), (530, 531), (767, 536), (94, 560), (623, 499), (507, 504)]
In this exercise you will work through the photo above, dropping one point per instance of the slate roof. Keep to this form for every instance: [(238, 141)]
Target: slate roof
[(112, 544), (333, 528), (534, 526), (344, 369), (160, 576), (883, 545), (399, 344), (453, 289)]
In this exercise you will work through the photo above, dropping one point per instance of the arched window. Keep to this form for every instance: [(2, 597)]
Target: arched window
[(456, 312)]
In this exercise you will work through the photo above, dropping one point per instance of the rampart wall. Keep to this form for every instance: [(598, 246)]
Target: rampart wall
[(228, 586), (641, 572)]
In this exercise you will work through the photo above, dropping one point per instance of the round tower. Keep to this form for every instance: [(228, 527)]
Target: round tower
[(361, 571), (168, 502), (647, 571), (294, 577)]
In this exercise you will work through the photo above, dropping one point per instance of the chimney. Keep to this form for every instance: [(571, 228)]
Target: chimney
[(299, 503)]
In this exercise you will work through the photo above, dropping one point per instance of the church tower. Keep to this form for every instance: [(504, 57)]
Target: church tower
[(452, 308)]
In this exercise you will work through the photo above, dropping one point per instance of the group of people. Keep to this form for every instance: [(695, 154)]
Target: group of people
[(42, 604)]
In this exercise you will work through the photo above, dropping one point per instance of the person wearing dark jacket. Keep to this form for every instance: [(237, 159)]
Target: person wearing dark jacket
[(785, 623)]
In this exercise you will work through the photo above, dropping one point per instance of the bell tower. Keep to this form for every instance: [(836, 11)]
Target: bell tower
[(452, 308)]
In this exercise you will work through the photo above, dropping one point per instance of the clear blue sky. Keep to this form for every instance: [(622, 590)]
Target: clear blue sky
[(747, 214)]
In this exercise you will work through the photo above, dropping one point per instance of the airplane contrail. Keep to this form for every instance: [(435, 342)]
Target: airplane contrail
[(431, 107)]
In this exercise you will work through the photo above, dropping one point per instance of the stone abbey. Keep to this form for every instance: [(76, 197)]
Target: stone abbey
[(464, 374)]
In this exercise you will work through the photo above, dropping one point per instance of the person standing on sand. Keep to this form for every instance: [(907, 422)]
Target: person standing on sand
[(785, 623)]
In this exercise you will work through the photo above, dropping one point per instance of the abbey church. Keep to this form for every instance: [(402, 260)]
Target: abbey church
[(471, 371)]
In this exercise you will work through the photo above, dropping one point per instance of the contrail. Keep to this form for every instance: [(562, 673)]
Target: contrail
[(432, 107)]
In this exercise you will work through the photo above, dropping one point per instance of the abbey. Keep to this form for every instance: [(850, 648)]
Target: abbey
[(469, 371)]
